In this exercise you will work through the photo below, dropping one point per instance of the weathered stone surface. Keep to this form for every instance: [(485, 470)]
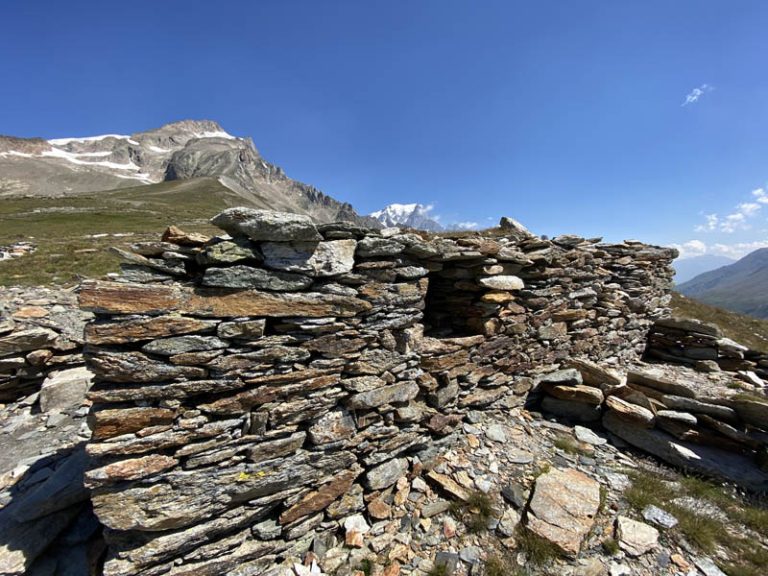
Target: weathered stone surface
[(594, 374), (317, 259), (630, 412), (502, 283), (659, 517), (563, 508), (114, 422), (245, 329), (99, 333), (394, 393), (266, 225), (244, 401), (183, 344), (654, 379), (319, 499), (705, 460), (697, 406), (635, 538), (26, 340), (227, 252), (130, 469), (386, 474), (137, 367), (371, 246), (575, 411), (120, 298), (575, 393), (180, 498), (255, 278), (690, 325), (332, 427), (754, 412), (65, 390), (567, 377)]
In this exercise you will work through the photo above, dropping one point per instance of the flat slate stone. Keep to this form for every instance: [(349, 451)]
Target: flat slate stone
[(125, 298), (255, 278), (266, 224), (317, 259), (563, 508)]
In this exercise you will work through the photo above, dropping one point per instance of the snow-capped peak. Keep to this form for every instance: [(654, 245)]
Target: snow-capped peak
[(409, 215)]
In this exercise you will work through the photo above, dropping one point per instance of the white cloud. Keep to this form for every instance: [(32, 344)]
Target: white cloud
[(736, 250), (739, 249), (736, 220), (690, 249), (761, 196), (710, 224), (697, 93)]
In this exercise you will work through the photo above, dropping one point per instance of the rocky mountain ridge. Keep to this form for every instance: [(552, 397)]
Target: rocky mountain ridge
[(180, 150)]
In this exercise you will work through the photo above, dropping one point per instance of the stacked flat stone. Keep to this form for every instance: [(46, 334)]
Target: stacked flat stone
[(40, 334), (686, 341), (252, 388), (724, 437)]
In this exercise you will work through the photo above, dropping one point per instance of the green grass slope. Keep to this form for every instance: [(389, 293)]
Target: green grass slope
[(64, 228)]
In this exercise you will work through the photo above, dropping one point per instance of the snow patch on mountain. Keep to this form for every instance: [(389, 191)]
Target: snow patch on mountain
[(407, 215)]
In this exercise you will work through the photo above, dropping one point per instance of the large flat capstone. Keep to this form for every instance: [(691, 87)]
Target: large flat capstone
[(266, 224), (563, 508)]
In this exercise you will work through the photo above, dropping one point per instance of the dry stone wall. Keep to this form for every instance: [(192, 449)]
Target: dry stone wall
[(254, 390)]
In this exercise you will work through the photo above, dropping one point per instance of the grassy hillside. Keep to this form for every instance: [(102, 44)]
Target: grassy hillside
[(63, 228), (746, 330)]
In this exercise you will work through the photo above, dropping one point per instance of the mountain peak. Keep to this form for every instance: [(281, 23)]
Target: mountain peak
[(190, 129), (410, 215)]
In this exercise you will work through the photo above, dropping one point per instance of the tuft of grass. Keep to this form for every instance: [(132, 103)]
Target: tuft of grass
[(538, 550), (610, 546), (700, 530), (750, 396), (645, 489), (748, 557), (568, 444), (438, 570), (475, 512), (366, 567), (502, 565)]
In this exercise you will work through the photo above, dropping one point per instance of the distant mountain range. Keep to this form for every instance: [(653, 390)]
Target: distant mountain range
[(186, 150), (740, 287), (691, 267), (407, 215)]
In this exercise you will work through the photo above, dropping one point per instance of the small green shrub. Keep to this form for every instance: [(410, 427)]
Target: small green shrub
[(475, 513)]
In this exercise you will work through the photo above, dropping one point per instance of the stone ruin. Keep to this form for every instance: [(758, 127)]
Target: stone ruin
[(254, 390)]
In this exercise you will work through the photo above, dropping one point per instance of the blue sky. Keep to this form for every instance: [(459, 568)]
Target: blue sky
[(577, 117)]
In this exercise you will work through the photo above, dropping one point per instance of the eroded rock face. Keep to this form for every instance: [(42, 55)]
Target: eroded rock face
[(563, 508)]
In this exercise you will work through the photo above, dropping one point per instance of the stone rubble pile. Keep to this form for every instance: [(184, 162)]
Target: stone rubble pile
[(258, 393), (702, 345), (41, 334), (46, 522), (722, 435)]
